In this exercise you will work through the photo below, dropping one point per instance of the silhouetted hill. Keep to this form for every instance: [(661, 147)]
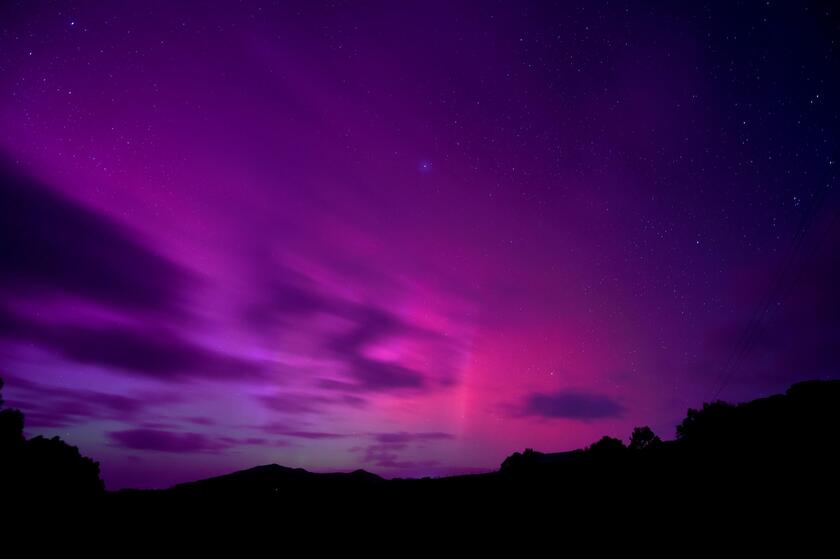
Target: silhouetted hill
[(268, 483), (270, 479), (773, 449), (768, 456)]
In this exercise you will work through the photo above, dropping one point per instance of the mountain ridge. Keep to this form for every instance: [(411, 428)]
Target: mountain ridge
[(794, 430)]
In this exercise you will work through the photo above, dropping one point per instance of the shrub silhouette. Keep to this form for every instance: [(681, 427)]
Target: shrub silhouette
[(41, 467)]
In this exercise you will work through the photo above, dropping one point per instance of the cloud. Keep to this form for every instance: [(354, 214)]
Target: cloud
[(51, 407), (274, 428), (289, 301), (315, 435), (150, 352), (282, 298), (370, 374), (402, 437), (249, 441), (53, 249), (297, 403), (51, 245), (200, 420), (570, 404), (385, 452), (388, 456), (386, 460), (168, 441)]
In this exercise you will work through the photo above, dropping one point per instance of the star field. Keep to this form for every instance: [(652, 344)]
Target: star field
[(409, 237)]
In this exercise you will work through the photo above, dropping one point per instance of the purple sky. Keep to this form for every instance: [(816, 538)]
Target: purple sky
[(411, 237)]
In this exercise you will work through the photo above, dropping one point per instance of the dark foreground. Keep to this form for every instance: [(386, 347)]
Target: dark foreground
[(773, 461)]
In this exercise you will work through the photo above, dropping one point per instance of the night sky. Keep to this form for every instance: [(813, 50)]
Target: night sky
[(409, 237)]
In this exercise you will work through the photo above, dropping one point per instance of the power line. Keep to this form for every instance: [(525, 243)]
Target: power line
[(779, 290)]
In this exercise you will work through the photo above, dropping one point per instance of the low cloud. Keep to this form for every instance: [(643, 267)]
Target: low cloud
[(570, 404), (149, 352), (299, 403), (48, 406), (166, 441), (404, 438), (315, 435), (388, 448)]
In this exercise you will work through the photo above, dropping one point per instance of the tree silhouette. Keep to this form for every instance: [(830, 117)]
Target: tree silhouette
[(41, 467), (711, 424), (11, 429), (642, 438), (607, 446), (519, 460)]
